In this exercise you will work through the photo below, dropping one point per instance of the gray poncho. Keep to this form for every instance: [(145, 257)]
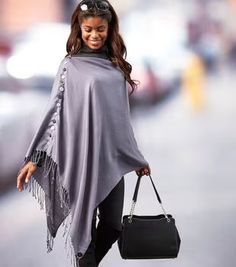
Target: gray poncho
[(84, 145)]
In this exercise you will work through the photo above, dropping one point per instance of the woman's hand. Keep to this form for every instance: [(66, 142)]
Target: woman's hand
[(143, 171), (25, 174)]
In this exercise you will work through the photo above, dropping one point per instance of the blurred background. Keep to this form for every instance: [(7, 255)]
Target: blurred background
[(183, 53)]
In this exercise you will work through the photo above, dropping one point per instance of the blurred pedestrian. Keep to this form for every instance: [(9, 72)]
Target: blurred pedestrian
[(193, 83), (85, 144)]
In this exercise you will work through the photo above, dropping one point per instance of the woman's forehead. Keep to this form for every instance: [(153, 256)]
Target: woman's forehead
[(94, 20)]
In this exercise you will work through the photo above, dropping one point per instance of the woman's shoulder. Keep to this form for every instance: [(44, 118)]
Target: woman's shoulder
[(64, 63), (66, 59)]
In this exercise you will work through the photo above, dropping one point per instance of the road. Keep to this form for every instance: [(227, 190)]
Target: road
[(192, 156)]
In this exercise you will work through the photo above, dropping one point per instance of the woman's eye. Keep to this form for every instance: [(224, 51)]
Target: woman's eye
[(97, 30), (87, 30), (102, 29)]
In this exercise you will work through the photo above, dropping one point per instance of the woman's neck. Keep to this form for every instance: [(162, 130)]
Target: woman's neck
[(87, 51)]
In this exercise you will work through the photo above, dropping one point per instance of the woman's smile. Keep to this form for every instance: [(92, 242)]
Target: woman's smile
[(95, 43)]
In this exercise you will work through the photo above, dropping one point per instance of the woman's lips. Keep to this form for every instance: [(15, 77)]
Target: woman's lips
[(95, 42)]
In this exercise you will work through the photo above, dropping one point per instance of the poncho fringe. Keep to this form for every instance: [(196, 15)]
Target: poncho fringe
[(49, 166)]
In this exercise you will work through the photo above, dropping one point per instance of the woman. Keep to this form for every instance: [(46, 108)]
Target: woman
[(85, 143)]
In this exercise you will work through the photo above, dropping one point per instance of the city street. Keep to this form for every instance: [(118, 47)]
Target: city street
[(192, 156)]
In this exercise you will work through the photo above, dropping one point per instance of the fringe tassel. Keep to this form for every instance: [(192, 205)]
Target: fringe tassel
[(50, 241), (64, 197), (37, 192), (50, 167)]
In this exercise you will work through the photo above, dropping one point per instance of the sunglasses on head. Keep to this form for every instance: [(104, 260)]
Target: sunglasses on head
[(88, 5)]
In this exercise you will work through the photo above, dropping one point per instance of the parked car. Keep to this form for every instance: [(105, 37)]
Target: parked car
[(37, 53), (156, 44)]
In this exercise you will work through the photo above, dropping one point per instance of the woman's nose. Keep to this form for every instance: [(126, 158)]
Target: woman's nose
[(94, 34)]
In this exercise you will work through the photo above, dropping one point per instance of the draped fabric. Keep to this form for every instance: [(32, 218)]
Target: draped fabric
[(84, 145)]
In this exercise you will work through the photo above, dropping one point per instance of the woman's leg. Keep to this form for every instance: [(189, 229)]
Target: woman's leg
[(108, 229), (110, 216)]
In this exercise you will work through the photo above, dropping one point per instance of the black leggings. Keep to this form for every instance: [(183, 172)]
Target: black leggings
[(108, 228)]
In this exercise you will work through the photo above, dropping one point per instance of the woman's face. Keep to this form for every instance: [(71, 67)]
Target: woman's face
[(94, 31)]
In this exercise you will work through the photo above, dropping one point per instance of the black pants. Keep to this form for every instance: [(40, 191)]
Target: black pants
[(107, 231)]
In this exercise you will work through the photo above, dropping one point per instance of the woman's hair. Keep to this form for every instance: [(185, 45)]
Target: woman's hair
[(116, 48)]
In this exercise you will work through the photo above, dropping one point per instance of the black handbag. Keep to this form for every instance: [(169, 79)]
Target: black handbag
[(148, 237)]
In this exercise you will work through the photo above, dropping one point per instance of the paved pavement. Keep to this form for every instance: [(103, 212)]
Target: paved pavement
[(192, 156)]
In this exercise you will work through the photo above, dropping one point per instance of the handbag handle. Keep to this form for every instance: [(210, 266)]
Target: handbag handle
[(135, 196)]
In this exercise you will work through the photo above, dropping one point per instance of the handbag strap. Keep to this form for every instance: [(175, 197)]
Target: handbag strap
[(135, 196)]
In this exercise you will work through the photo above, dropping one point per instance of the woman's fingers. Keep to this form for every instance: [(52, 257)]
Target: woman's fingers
[(28, 176), (143, 171), (147, 170), (20, 179)]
